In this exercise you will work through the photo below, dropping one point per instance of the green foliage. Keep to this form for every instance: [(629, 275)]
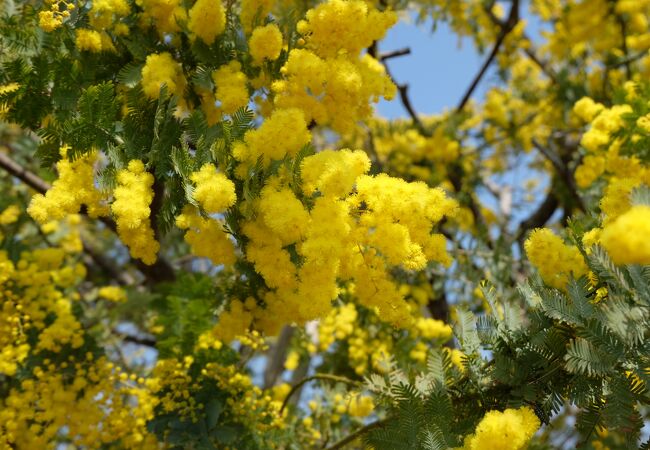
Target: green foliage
[(570, 350)]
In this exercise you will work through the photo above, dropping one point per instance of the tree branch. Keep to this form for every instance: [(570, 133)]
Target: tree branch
[(563, 172), (395, 53), (360, 432), (528, 50), (318, 376), (158, 272), (506, 28)]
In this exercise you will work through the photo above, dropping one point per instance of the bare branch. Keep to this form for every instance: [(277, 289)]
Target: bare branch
[(395, 53), (506, 28), (318, 376), (360, 432), (160, 271)]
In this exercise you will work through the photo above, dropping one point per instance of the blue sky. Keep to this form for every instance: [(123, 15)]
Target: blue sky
[(438, 70)]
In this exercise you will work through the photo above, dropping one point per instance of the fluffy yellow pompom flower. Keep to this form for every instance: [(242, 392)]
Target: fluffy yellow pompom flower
[(284, 214), (133, 195), (161, 69), (284, 132), (206, 237), (103, 13), (587, 109), (265, 43), (344, 25), (433, 329), (627, 239), (207, 20), (253, 11), (74, 187), (233, 323), (9, 215), (361, 406), (333, 173), (214, 191), (112, 293), (554, 260), (164, 14), (230, 82), (511, 429), (89, 40)]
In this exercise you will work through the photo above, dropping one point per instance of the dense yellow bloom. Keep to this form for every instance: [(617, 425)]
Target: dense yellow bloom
[(587, 109), (74, 187), (511, 429), (253, 12), (133, 195), (207, 20), (617, 198), (433, 329), (606, 123), (592, 167), (89, 40), (333, 173), (206, 236), (283, 133), (284, 214), (348, 26), (9, 215), (333, 91), (233, 323), (51, 19), (265, 43), (165, 15), (627, 239), (214, 191), (554, 260), (161, 69), (112, 293), (232, 91), (361, 406), (104, 13)]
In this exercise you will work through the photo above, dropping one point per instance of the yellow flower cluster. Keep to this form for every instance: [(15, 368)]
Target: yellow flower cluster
[(89, 407), (360, 237), (30, 293), (511, 429), (214, 192), (283, 133), (232, 91), (104, 16), (327, 80), (265, 43), (165, 15), (606, 122), (73, 189), (161, 69), (133, 195), (429, 328), (253, 12), (247, 404), (234, 322), (554, 260), (344, 26), (112, 293), (52, 18), (361, 406), (626, 238), (207, 20)]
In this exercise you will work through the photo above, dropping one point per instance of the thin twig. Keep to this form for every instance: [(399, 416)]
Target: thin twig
[(395, 53), (318, 376), (360, 432), (506, 28)]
